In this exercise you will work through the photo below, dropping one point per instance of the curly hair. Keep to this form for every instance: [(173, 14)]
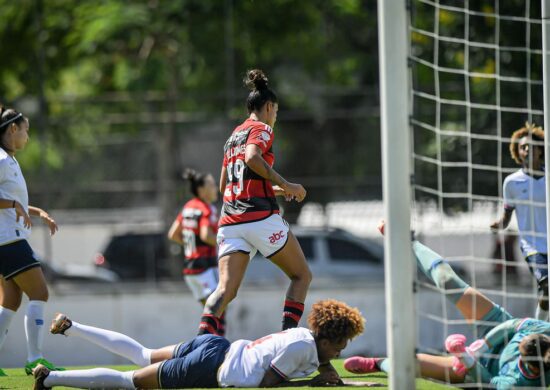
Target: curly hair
[(334, 320), (530, 129)]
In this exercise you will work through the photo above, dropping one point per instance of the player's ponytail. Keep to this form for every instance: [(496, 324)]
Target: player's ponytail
[(196, 179), (260, 94), (7, 117)]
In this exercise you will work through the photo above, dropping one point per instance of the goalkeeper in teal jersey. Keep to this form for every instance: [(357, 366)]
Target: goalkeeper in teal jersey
[(514, 352)]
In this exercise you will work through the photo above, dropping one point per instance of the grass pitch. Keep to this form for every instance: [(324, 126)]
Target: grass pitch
[(17, 379)]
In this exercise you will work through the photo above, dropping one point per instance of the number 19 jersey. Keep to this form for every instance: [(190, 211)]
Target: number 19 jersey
[(248, 197)]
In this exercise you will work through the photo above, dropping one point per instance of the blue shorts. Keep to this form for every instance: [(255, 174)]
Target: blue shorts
[(195, 363), (538, 265), (16, 257)]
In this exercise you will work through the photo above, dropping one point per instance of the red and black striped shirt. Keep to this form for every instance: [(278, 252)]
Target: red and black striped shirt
[(199, 254), (248, 197)]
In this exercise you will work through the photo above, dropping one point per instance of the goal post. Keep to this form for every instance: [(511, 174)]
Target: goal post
[(545, 8), (399, 271)]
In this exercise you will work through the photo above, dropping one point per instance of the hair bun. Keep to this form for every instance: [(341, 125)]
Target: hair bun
[(189, 174), (255, 79)]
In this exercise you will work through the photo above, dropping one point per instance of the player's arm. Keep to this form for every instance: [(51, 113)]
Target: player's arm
[(504, 220), (38, 212), (254, 160), (207, 235), (19, 210), (174, 233), (494, 339), (327, 376), (223, 179), (502, 332), (503, 382), (272, 379)]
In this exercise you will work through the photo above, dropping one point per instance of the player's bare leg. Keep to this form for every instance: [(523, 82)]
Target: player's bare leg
[(474, 305), (438, 367), (292, 262), (147, 377), (162, 354), (232, 268)]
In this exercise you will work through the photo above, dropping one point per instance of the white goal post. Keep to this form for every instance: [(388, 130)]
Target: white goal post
[(399, 271)]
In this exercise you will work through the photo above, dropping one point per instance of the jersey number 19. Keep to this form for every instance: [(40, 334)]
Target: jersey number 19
[(235, 170)]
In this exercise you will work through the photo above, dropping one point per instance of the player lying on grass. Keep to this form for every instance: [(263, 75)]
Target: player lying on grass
[(513, 352), (212, 361)]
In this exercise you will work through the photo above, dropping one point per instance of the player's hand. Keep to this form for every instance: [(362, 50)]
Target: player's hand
[(496, 226), (52, 225), (478, 348), (294, 191), (21, 213), (328, 378), (280, 192), (381, 226)]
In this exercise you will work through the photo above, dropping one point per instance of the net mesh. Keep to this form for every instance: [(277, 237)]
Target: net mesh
[(476, 77)]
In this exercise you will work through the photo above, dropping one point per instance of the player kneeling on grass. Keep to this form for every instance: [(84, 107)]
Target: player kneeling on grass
[(212, 361), (513, 352)]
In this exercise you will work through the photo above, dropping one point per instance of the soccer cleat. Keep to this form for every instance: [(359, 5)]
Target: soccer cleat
[(30, 366), (361, 365), (40, 374), (60, 324), (3, 373)]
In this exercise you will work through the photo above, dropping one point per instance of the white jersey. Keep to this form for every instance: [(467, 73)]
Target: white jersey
[(291, 354), (527, 195), (12, 187)]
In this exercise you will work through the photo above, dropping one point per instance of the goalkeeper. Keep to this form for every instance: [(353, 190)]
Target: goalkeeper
[(513, 352)]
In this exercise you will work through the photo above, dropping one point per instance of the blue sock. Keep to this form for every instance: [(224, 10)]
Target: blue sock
[(439, 272)]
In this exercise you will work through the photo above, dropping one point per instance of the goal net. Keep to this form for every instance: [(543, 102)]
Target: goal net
[(476, 77)]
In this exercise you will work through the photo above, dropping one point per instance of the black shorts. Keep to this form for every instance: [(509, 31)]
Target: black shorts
[(194, 364), (16, 257)]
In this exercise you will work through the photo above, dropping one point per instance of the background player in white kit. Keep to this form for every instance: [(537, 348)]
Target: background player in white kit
[(20, 270), (525, 192), (211, 361)]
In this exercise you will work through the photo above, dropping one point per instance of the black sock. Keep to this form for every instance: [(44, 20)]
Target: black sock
[(221, 327), (209, 324), (292, 313)]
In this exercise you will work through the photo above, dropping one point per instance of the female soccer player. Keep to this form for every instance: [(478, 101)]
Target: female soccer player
[(521, 346), (19, 266), (195, 228), (525, 192), (211, 361), (250, 219)]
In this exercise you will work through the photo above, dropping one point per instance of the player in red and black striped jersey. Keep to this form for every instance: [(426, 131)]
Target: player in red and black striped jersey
[(248, 197), (195, 228), (250, 219)]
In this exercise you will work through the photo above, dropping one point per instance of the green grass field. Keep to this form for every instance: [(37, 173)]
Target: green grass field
[(17, 379)]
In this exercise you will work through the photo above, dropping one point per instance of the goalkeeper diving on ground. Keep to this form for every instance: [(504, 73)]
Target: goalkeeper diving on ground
[(513, 351)]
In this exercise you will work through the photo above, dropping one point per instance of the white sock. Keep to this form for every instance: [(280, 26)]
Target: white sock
[(96, 378), (6, 315), (541, 314), (114, 342), (34, 329)]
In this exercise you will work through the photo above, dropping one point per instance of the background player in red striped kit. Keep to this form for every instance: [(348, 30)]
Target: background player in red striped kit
[(195, 228), (250, 219)]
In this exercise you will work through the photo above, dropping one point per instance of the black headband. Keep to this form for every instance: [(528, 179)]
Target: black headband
[(11, 120)]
